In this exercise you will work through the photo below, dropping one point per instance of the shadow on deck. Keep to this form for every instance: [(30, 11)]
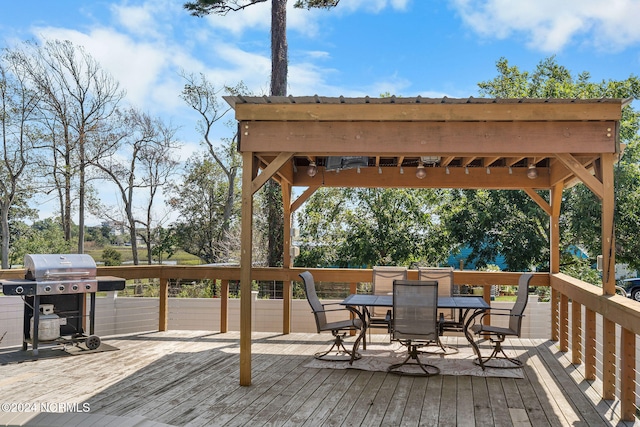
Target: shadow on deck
[(191, 378)]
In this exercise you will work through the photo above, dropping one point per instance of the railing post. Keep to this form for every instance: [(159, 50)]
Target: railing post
[(627, 375), (353, 289), (608, 359), (224, 306), (555, 323), (564, 323), (590, 344), (287, 295), (163, 312), (576, 333)]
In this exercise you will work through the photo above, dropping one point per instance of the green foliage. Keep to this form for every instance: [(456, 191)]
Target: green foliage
[(201, 200), (111, 257), (166, 243), (42, 237), (498, 222), (581, 220), (366, 227), (580, 268)]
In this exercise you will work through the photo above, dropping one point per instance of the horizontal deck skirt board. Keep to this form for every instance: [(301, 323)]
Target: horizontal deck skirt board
[(191, 378)]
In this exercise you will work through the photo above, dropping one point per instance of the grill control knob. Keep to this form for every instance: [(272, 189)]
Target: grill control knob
[(61, 288), (47, 288), (74, 287), (19, 290), (87, 287)]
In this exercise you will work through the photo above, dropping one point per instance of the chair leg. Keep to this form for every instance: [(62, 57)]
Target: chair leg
[(337, 352), (498, 354), (441, 349), (426, 370)]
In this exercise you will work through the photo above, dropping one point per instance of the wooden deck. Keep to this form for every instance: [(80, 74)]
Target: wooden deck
[(191, 378)]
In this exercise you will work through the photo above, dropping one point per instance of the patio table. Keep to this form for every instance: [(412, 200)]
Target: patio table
[(469, 307)]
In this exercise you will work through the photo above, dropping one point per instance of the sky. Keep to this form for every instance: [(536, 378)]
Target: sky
[(432, 48)]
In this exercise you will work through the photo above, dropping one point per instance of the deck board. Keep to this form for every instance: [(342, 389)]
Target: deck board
[(191, 378)]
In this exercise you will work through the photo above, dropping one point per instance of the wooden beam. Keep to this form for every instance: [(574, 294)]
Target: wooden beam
[(163, 311), (543, 111), (286, 212), (246, 250), (554, 229), (583, 174), (437, 177), (510, 161), (540, 201), (428, 138), (284, 174), (608, 231), (621, 310), (466, 161), (446, 161), (303, 197), (269, 171), (488, 161)]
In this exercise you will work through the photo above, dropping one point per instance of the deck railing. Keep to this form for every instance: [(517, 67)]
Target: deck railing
[(575, 305)]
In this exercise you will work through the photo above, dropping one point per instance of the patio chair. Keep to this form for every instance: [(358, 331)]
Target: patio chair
[(497, 334), (338, 328), (415, 323), (383, 277), (447, 320)]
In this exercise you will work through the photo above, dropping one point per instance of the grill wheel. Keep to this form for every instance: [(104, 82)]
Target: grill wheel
[(92, 342)]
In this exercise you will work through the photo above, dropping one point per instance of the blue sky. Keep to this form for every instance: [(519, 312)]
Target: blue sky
[(363, 47)]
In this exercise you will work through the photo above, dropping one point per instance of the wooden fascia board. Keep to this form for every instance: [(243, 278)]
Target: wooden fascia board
[(507, 139), (437, 177), (582, 173), (431, 112)]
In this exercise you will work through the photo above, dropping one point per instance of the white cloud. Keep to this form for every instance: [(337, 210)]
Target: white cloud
[(550, 25)]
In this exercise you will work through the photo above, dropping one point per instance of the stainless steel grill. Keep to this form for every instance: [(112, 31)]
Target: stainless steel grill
[(60, 282)]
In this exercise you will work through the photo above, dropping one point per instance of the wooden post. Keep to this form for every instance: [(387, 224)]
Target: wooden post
[(555, 316), (627, 375), (224, 306), (246, 249), (286, 256), (608, 234), (287, 297), (555, 198), (163, 312), (353, 289), (576, 333), (608, 359), (564, 323), (590, 344)]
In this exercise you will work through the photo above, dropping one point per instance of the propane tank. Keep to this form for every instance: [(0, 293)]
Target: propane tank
[(48, 324)]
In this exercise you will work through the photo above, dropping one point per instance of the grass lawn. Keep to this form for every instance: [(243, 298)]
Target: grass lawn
[(180, 257)]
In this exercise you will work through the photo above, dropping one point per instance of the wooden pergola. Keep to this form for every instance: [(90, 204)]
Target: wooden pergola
[(528, 145)]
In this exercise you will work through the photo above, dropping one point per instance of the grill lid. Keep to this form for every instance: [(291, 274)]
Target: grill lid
[(56, 267)]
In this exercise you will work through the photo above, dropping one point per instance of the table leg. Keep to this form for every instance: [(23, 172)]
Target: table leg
[(469, 336), (363, 331)]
